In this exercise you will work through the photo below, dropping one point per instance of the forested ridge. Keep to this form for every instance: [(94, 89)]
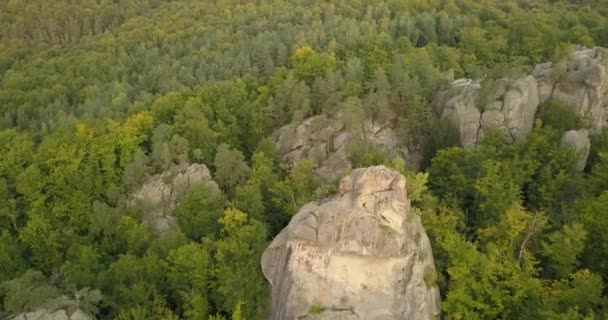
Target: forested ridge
[(97, 97)]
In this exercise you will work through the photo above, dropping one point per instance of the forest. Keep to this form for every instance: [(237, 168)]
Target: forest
[(99, 96)]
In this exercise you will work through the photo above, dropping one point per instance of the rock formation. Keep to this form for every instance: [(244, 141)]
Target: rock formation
[(578, 141), (583, 85), (362, 254), (326, 141), (59, 314), (512, 108), (160, 194), (511, 111)]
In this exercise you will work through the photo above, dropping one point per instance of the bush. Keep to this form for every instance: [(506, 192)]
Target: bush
[(560, 116)]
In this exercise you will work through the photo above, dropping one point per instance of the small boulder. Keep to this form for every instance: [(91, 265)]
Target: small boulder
[(578, 140)]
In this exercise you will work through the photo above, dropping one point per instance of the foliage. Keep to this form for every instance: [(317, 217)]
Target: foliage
[(98, 96), (560, 116)]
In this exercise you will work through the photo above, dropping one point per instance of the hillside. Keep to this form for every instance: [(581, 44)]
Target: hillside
[(151, 150)]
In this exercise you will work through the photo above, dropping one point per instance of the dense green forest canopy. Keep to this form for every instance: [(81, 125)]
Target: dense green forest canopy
[(96, 96)]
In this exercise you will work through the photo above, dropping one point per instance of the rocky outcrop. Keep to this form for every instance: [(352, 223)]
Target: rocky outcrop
[(326, 143), (583, 85), (511, 108), (578, 141), (460, 109), (362, 254), (159, 196), (60, 314)]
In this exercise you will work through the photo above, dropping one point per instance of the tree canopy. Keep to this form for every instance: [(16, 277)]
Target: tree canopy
[(97, 97)]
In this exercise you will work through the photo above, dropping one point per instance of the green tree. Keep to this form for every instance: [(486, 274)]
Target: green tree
[(28, 292), (296, 189), (188, 276), (199, 210), (563, 247), (230, 168), (240, 282)]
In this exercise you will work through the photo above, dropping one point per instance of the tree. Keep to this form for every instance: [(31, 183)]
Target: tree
[(28, 292), (11, 257), (192, 124), (378, 99), (44, 242), (560, 116), (189, 277), (137, 171), (308, 65), (296, 189), (449, 175), (230, 168), (495, 191), (240, 282), (199, 210), (591, 213), (563, 247)]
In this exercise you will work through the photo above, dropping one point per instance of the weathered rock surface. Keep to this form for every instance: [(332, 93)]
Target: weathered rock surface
[(59, 314), (583, 85), (578, 140), (511, 111), (460, 109), (160, 195), (361, 254), (512, 108), (325, 142)]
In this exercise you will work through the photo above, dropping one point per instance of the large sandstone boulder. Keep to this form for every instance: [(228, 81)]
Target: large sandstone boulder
[(160, 195), (326, 141), (583, 85), (362, 254), (578, 141)]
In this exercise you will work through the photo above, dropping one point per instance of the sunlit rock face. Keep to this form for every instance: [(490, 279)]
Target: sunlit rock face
[(362, 254)]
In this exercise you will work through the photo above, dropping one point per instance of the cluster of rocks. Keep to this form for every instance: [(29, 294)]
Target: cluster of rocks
[(362, 254), (511, 111), (159, 196), (326, 141), (513, 106)]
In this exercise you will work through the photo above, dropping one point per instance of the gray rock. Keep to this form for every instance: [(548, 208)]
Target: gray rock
[(59, 314), (578, 140), (583, 84), (325, 142), (492, 119), (512, 112), (460, 109), (80, 315), (362, 254), (160, 195), (520, 105)]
